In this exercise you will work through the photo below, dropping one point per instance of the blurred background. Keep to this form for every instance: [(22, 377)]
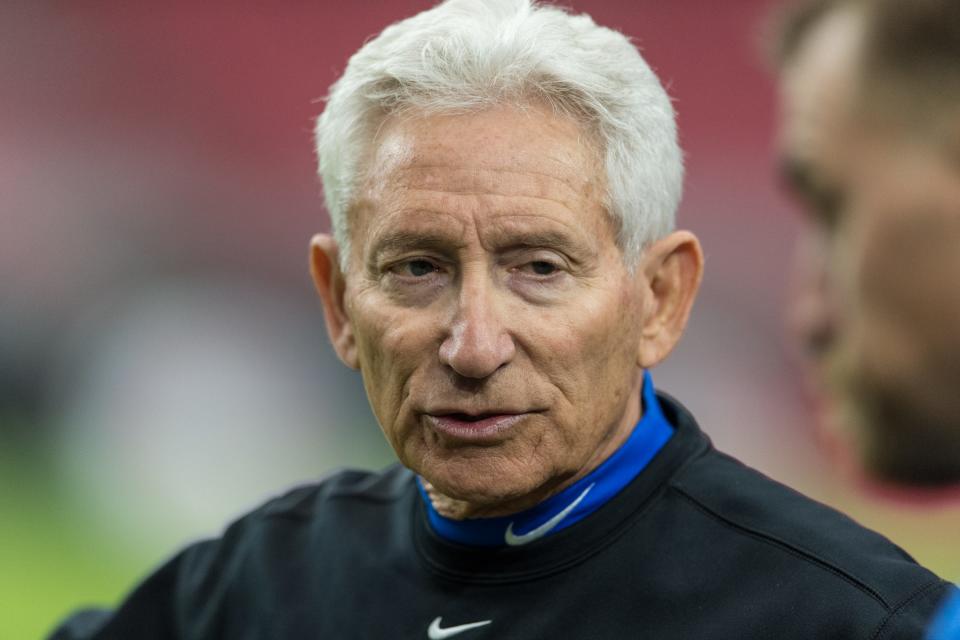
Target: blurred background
[(163, 361)]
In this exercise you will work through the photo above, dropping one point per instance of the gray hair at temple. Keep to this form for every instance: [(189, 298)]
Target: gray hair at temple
[(469, 55)]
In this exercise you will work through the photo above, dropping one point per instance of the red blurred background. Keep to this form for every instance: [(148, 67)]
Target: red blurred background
[(163, 362)]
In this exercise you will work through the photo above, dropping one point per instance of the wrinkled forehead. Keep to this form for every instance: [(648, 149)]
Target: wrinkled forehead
[(506, 139), (495, 165)]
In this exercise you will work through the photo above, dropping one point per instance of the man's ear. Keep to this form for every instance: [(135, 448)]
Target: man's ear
[(672, 269), (331, 285)]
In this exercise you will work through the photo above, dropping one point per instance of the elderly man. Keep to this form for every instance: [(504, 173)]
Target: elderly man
[(502, 180), (871, 145)]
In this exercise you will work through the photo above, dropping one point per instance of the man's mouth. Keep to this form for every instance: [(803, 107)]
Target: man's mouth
[(473, 427)]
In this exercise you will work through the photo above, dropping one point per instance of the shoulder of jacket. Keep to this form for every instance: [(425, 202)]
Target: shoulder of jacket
[(763, 511), (292, 518), (307, 500)]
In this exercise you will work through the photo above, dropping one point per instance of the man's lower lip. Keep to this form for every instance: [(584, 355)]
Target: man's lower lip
[(481, 429)]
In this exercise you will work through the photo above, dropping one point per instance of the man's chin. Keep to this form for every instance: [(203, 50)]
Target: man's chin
[(902, 444), (461, 494), (900, 454)]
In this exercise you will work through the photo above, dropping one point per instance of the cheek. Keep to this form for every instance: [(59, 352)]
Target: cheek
[(592, 347), (911, 271), (377, 347), (844, 264), (612, 323), (392, 345)]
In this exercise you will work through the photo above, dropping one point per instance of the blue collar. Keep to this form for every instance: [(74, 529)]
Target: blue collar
[(574, 503)]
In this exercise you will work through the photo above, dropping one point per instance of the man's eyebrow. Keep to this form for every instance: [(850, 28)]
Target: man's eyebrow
[(796, 175), (540, 238), (399, 240), (802, 180)]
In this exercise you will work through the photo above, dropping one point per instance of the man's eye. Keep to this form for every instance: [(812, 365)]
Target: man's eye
[(539, 268), (416, 268), (542, 268)]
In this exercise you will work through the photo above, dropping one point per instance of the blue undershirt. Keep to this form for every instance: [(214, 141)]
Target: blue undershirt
[(579, 499)]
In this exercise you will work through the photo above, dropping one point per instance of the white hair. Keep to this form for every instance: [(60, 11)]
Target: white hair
[(466, 55)]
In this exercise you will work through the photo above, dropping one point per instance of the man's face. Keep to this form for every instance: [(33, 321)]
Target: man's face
[(817, 140), (902, 364), (877, 302), (496, 326)]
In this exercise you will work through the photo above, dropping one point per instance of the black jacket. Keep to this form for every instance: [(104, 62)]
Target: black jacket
[(697, 547)]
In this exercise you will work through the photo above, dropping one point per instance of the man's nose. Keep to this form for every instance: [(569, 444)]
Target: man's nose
[(478, 342), (813, 309)]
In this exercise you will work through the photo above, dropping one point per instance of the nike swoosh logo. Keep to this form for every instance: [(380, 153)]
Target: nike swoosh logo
[(436, 633), (517, 539)]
